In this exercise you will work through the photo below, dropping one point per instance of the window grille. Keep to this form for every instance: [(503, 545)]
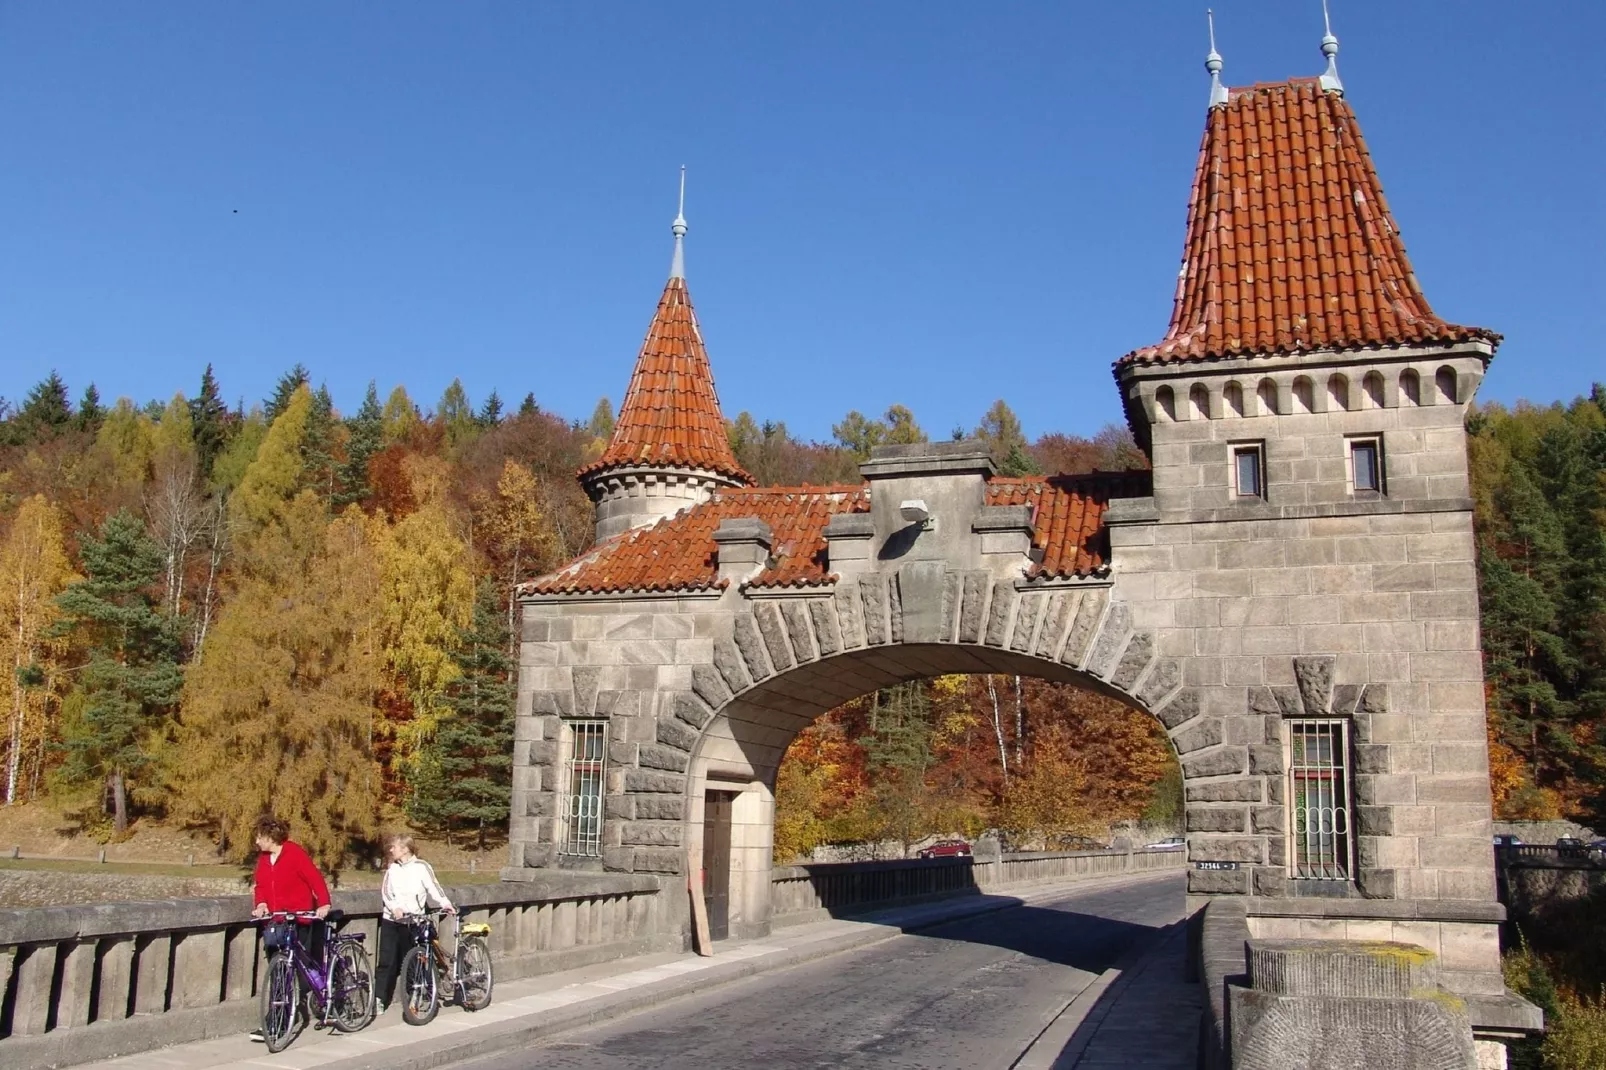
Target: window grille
[(1318, 771), (582, 802)]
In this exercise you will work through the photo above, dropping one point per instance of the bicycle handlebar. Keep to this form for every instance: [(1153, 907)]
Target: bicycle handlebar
[(300, 917)]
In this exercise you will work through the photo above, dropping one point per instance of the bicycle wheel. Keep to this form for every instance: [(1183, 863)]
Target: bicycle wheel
[(351, 988), (422, 999), (473, 973), (280, 1001)]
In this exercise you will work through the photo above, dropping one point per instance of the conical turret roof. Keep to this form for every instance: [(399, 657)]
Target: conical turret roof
[(670, 417), (1291, 246)]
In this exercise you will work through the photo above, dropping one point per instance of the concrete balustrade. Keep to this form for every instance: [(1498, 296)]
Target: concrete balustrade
[(90, 982), (811, 892)]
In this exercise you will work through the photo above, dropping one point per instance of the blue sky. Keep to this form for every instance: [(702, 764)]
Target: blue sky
[(934, 204)]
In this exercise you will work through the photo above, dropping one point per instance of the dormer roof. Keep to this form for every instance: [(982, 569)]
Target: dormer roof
[(1290, 245)]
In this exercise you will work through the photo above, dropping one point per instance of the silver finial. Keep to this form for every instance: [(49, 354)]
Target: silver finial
[(677, 267), (1329, 80), (1218, 92)]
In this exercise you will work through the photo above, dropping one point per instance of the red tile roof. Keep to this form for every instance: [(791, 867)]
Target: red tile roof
[(1068, 516), (670, 416), (678, 552), (1290, 243)]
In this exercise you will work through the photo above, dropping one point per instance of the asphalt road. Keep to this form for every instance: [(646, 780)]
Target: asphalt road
[(968, 995)]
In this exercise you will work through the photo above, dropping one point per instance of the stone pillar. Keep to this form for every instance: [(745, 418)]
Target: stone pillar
[(1336, 1004), (32, 974), (743, 547), (848, 538), (73, 1007), (116, 978), (151, 974)]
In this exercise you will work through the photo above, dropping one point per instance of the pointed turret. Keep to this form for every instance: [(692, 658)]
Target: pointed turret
[(1290, 245), (669, 449)]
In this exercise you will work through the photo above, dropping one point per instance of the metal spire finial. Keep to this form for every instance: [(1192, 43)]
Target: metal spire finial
[(1329, 80), (677, 267), (1218, 92)]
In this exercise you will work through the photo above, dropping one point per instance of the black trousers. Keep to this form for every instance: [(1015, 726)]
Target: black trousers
[(395, 937)]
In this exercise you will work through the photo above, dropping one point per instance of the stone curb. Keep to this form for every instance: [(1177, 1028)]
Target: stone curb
[(1052, 1049), (470, 1044)]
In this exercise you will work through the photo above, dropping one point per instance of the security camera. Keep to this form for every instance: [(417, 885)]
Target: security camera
[(915, 511)]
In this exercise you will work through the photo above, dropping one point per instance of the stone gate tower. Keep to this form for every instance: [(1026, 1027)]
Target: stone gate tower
[(1291, 591)]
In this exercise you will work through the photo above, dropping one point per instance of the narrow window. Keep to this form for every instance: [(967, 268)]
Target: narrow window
[(582, 801), (1366, 466), (1318, 790), (1248, 476)]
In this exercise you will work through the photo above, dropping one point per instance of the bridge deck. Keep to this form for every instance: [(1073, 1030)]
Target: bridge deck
[(974, 987)]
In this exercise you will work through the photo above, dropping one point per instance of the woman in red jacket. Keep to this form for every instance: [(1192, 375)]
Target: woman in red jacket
[(286, 880), (285, 877)]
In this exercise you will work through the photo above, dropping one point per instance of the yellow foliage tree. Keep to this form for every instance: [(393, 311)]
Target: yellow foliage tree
[(516, 528), (34, 568), (1041, 802), (275, 475), (426, 598), (278, 711), (125, 444)]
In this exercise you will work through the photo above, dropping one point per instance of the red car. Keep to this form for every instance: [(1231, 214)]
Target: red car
[(946, 849)]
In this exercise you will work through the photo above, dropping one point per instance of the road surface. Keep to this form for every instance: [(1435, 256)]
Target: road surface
[(968, 995)]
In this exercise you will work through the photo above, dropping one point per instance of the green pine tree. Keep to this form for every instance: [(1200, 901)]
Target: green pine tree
[(297, 376), (45, 413), (365, 436), (132, 678), (318, 447), (464, 777), (90, 410), (209, 421), (490, 413), (528, 407)]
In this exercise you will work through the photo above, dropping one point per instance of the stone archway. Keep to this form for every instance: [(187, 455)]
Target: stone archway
[(742, 722)]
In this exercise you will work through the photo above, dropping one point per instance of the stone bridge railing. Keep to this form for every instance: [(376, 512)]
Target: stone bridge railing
[(90, 982), (813, 891)]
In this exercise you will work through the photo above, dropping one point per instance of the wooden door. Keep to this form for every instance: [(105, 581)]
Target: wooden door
[(717, 861)]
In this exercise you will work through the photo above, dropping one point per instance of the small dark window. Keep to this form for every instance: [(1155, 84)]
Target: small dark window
[(1247, 481), (1364, 460)]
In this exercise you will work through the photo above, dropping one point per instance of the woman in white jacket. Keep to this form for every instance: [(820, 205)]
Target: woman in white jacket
[(408, 888)]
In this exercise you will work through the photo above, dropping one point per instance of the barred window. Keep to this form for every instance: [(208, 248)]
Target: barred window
[(1318, 773), (582, 798)]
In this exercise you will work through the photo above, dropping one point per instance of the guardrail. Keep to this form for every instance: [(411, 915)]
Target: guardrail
[(90, 982), (834, 889), (1549, 855)]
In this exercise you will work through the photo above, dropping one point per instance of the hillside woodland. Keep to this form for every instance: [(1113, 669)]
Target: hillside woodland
[(207, 611)]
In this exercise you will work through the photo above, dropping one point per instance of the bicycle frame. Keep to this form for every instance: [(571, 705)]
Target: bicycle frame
[(314, 974)]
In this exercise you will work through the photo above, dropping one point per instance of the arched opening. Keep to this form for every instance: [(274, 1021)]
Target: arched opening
[(1232, 398), (1338, 393), (1372, 390), (735, 768), (1304, 395), (1166, 402), (1199, 401), (1445, 380), (1267, 396), (1410, 387)]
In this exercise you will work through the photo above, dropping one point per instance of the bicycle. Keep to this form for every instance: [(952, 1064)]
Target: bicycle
[(426, 965), (339, 990)]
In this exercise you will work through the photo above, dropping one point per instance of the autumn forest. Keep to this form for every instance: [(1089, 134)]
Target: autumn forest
[(207, 611)]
